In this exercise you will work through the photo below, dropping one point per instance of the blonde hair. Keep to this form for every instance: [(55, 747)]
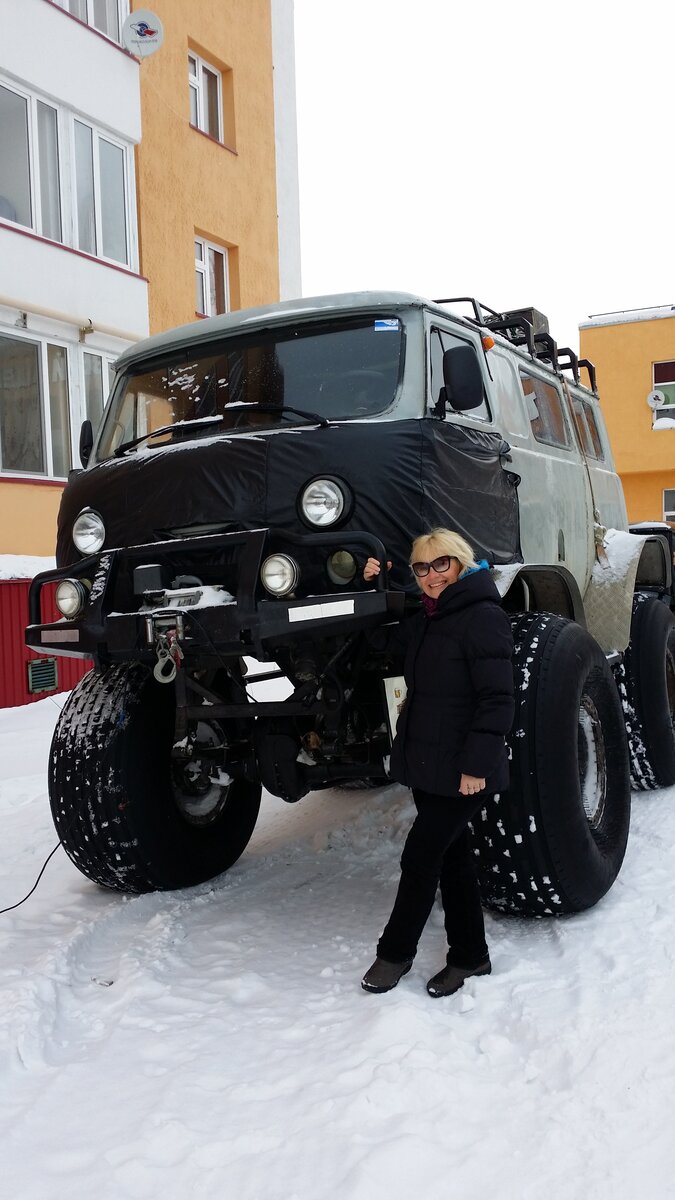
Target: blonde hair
[(436, 542)]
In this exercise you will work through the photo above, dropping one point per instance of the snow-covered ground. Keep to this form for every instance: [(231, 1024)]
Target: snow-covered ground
[(215, 1043)]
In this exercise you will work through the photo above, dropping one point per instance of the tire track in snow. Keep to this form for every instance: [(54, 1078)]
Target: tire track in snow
[(78, 990)]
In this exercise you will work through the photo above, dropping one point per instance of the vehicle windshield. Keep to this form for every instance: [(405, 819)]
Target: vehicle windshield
[(343, 370)]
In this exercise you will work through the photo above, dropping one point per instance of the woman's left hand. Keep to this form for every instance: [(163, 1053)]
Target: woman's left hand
[(469, 785)]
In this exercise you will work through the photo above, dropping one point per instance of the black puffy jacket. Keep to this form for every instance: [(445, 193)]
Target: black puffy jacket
[(459, 677)]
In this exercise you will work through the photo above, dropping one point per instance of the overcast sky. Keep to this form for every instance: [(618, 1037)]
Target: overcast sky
[(521, 153)]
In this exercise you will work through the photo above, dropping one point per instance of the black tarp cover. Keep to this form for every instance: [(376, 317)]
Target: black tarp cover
[(405, 476)]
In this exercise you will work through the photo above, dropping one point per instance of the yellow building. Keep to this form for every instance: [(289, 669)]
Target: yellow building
[(134, 195), (206, 169), (634, 356)]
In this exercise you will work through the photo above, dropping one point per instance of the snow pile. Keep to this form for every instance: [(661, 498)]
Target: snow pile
[(24, 566), (216, 1043)]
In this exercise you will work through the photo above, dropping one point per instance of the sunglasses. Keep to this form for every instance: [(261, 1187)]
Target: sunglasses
[(420, 569)]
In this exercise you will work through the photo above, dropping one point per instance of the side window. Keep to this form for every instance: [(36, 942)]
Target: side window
[(593, 429), (582, 427), (545, 411), (441, 341), (507, 394)]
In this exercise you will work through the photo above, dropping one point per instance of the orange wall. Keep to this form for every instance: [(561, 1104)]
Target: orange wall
[(29, 524), (623, 355), (186, 181)]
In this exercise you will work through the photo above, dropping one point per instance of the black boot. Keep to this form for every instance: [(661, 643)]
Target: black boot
[(383, 975), (451, 979)]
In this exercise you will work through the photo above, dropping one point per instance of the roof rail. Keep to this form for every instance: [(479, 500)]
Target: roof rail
[(572, 365), (510, 325), (585, 362), (549, 349), (478, 308)]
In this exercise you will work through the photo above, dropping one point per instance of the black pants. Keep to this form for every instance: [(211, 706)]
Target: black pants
[(438, 851)]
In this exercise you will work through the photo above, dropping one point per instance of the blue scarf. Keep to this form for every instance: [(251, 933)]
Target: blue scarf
[(430, 603)]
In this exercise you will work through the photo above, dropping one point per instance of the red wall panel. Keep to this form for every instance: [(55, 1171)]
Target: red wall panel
[(15, 654)]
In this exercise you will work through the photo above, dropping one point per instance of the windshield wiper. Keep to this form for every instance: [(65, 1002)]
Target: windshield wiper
[(281, 408), (188, 426), (178, 427)]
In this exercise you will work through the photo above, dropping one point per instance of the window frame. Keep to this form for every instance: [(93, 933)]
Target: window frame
[(107, 374), (483, 413), (670, 401), (66, 188), (123, 10), (196, 85), (542, 438), (669, 513), (76, 397), (97, 136), (202, 269)]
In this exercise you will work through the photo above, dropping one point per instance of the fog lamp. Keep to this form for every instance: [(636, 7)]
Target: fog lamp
[(70, 597)]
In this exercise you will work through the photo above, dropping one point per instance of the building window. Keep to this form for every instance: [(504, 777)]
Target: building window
[(544, 408), (206, 98), (107, 16), (664, 380), (212, 294), (669, 505), (15, 190), (101, 195), (46, 391), (34, 408), (64, 179), (95, 387)]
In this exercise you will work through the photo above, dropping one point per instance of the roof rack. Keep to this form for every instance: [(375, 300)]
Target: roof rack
[(527, 327), (573, 363), (585, 362), (478, 308), (517, 329)]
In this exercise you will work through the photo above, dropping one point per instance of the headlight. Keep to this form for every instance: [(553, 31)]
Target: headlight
[(88, 531), (341, 567), (279, 574), (322, 502), (70, 597)]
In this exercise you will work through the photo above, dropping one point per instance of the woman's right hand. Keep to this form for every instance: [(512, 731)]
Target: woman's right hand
[(373, 568)]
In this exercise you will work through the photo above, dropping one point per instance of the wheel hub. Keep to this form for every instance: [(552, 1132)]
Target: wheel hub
[(200, 785), (592, 762)]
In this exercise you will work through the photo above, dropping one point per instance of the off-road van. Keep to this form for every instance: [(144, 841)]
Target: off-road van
[(244, 469)]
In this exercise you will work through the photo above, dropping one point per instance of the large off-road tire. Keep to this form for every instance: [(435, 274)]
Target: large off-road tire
[(554, 843), (647, 689), (127, 815)]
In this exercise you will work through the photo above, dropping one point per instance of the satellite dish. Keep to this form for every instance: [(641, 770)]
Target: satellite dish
[(142, 33), (656, 399)]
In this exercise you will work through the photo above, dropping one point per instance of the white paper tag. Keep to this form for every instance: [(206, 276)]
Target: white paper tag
[(319, 612)]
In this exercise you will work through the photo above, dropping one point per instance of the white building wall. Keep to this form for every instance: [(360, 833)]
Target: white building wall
[(41, 277), (52, 294), (286, 139), (71, 64)]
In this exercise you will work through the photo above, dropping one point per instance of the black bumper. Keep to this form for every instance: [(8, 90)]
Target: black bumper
[(246, 624)]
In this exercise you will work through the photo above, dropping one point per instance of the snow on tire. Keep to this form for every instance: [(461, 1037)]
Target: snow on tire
[(554, 843), (124, 816), (647, 689)]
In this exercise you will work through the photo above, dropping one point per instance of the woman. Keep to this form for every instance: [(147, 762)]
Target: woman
[(449, 748)]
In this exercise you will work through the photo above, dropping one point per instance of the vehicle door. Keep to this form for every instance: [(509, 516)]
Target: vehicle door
[(556, 509)]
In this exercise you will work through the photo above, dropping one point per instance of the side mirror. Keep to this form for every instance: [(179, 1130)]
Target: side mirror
[(462, 378), (86, 442)]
